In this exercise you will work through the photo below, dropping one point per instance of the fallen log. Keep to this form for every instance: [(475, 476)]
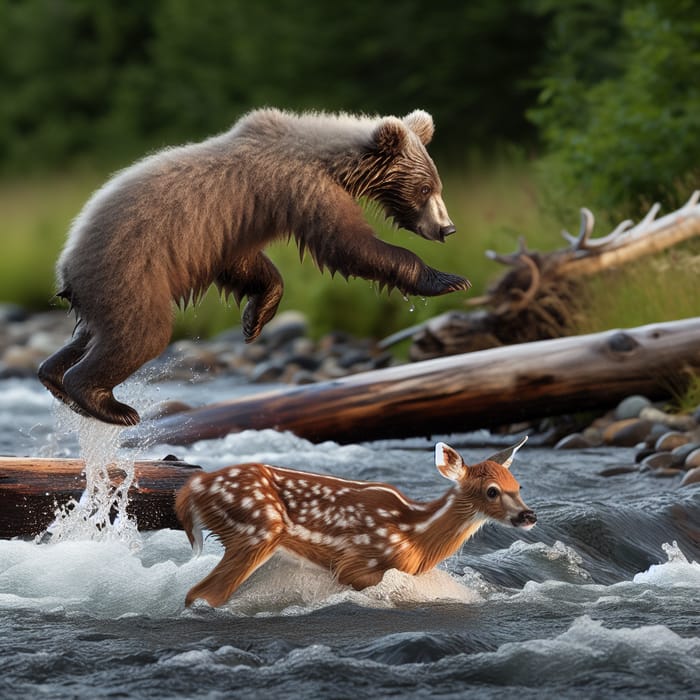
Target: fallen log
[(482, 389), (539, 297), (31, 490)]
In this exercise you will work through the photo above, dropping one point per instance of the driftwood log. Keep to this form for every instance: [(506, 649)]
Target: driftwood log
[(31, 489), (459, 393), (539, 295)]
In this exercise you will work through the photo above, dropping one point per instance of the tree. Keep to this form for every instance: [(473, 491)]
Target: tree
[(618, 108)]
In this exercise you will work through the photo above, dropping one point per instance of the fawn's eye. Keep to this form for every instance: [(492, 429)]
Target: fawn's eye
[(492, 492)]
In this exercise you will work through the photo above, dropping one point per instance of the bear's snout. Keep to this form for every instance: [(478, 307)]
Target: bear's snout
[(447, 231)]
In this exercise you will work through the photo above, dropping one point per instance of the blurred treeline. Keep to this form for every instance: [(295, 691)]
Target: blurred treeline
[(606, 90), (88, 77)]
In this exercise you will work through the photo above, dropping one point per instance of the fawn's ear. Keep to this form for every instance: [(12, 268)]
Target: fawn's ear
[(505, 457), (449, 462)]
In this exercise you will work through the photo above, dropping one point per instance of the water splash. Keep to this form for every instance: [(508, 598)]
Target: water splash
[(101, 512), (410, 302)]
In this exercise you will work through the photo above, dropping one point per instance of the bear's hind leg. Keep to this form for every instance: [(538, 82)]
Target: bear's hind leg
[(53, 368), (109, 362)]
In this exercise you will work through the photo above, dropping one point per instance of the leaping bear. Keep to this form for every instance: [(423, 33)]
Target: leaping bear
[(166, 228)]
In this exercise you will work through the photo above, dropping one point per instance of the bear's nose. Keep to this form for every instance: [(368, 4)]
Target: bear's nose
[(446, 231)]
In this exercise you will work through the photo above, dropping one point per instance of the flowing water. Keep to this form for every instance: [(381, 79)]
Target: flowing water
[(600, 599)]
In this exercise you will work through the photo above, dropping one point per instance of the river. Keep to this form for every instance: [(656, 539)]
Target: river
[(600, 599)]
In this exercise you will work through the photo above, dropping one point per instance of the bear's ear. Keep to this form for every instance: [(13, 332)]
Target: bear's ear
[(390, 136), (421, 124)]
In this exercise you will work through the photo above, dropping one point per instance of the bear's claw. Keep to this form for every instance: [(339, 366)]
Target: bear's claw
[(432, 283)]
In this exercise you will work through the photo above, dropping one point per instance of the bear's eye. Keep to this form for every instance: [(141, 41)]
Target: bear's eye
[(492, 492), (425, 190)]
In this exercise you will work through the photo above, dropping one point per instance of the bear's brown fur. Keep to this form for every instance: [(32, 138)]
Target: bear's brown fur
[(172, 224)]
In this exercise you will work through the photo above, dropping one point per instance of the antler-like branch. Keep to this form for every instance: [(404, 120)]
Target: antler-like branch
[(628, 242)]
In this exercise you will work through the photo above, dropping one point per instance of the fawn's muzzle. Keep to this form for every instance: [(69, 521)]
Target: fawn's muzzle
[(525, 518)]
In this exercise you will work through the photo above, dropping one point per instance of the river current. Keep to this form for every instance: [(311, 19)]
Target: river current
[(599, 600)]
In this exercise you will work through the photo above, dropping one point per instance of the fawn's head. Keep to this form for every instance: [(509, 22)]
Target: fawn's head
[(487, 487)]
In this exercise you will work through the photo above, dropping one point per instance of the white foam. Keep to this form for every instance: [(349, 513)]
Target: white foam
[(589, 647), (104, 579), (676, 572)]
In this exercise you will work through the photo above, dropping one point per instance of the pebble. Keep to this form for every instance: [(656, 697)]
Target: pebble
[(693, 459), (691, 477), (575, 441), (627, 433), (631, 407), (670, 441)]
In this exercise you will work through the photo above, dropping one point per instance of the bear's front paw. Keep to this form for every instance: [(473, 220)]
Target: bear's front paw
[(432, 283)]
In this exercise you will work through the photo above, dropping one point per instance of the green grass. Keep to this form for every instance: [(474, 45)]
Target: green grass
[(491, 209)]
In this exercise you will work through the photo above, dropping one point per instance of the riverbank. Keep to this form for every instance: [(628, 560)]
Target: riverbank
[(666, 445)]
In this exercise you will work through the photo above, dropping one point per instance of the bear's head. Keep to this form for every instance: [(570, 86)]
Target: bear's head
[(410, 190)]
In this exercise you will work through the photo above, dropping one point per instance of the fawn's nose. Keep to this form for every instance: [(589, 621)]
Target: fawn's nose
[(525, 518)]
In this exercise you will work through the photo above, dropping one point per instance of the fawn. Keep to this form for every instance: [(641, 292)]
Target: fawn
[(355, 529)]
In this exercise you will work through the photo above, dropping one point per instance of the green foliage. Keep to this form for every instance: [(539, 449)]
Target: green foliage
[(107, 80), (618, 107)]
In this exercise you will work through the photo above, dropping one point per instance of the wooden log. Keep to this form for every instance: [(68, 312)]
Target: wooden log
[(32, 488), (458, 393)]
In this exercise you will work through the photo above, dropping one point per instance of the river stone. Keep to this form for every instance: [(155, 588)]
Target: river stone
[(631, 407), (594, 435), (693, 459), (21, 357), (626, 433), (284, 328), (615, 471), (657, 430), (691, 477), (682, 451), (642, 454), (266, 372), (676, 422), (660, 460), (575, 441), (669, 441)]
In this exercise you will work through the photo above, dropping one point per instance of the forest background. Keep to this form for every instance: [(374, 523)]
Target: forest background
[(540, 106)]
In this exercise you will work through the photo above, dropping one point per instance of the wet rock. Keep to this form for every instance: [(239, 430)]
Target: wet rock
[(616, 471), (304, 361), (680, 453), (626, 433), (575, 441), (693, 459), (284, 328), (593, 435), (676, 422), (631, 407), (302, 376), (266, 372), (659, 460), (23, 358), (669, 441), (657, 430), (11, 313), (644, 453), (691, 477)]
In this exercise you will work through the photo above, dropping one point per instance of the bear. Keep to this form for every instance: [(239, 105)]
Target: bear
[(164, 229)]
